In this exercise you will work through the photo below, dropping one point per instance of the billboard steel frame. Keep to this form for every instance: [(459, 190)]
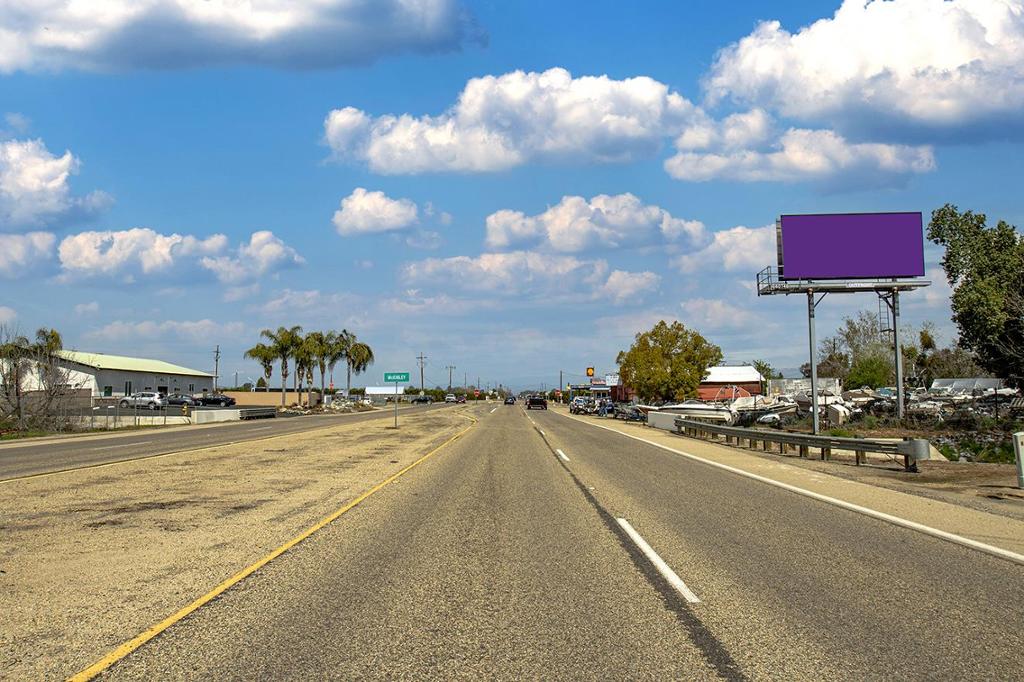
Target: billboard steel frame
[(887, 290)]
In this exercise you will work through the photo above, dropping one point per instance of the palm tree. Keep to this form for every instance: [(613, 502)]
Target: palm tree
[(360, 356), (266, 356), (320, 344), (303, 355), (342, 342), (284, 341)]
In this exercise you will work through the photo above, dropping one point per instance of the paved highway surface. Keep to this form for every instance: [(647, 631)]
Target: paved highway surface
[(31, 458), (503, 557)]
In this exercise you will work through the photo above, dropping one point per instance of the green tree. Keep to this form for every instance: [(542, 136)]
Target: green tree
[(320, 346), (341, 343), (668, 362), (985, 268), (284, 341), (359, 357), (870, 370), (767, 373), (266, 356)]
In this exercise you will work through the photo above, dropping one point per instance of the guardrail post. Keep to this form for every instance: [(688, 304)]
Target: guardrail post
[(825, 454), (1018, 449), (858, 457), (804, 451)]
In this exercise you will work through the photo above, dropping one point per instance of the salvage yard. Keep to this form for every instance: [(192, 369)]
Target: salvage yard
[(90, 558)]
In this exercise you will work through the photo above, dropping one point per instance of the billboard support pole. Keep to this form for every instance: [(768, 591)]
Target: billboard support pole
[(811, 305), (898, 351)]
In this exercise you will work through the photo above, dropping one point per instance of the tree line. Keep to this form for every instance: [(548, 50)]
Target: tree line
[(290, 349)]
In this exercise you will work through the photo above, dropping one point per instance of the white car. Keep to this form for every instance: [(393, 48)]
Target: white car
[(450, 398), (147, 399)]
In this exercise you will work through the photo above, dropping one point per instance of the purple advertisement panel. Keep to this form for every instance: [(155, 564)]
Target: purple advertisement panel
[(851, 246)]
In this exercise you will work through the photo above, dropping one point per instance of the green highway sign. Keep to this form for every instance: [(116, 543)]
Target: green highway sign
[(396, 376)]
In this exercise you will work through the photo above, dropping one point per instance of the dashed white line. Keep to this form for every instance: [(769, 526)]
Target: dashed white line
[(263, 428), (659, 563), (541, 432), (492, 411), (125, 445), (562, 456)]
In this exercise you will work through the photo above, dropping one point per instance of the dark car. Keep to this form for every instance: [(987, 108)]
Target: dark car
[(422, 400), (180, 399), (215, 399), (510, 400), (536, 402), (461, 400)]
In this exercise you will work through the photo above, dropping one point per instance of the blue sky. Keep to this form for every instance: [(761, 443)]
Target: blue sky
[(176, 175)]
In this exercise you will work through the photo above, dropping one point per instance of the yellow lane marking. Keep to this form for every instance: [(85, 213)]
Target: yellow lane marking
[(137, 641)]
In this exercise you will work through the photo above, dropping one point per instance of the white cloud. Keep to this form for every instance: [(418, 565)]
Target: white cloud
[(413, 303), (7, 315), (624, 287), (165, 34), (365, 212), (263, 255), (17, 123), (504, 121), (937, 63), (715, 315), (90, 308), (575, 224), (520, 273), (34, 188), (234, 294), (138, 250), (738, 248), (195, 331), (20, 253), (290, 300), (744, 147)]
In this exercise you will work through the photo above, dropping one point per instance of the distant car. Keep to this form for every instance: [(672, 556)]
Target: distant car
[(180, 399), (536, 402), (450, 398), (215, 399), (510, 400), (422, 400), (146, 399), (461, 400)]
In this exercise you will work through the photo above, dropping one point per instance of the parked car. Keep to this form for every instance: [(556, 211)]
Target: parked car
[(180, 399), (450, 398), (211, 399), (510, 400), (146, 399), (422, 400), (536, 402)]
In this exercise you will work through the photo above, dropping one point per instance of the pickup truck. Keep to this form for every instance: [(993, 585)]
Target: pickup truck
[(536, 402)]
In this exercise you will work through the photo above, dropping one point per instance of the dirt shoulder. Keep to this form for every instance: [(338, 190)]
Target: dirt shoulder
[(88, 559)]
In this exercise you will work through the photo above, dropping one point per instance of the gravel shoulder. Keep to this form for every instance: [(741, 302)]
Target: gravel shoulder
[(88, 559)]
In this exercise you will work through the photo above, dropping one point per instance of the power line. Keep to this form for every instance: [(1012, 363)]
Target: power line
[(422, 360)]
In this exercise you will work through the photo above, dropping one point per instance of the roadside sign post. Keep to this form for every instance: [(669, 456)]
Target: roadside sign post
[(1018, 449), (397, 378)]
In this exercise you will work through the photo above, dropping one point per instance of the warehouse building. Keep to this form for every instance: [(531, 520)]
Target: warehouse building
[(114, 376)]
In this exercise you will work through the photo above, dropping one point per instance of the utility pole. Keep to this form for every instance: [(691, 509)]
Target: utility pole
[(450, 369), (216, 366), (236, 378), (465, 381), (559, 383), (422, 360)]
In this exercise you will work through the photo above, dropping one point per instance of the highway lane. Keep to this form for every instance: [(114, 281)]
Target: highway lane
[(487, 561), (33, 458), (501, 557), (787, 581)]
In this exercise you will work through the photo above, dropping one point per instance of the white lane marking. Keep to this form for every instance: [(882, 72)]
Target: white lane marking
[(263, 428), (562, 455), (492, 411), (881, 516), (126, 445), (666, 571), (541, 431)]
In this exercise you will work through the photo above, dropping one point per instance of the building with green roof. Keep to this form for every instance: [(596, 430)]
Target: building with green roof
[(114, 376)]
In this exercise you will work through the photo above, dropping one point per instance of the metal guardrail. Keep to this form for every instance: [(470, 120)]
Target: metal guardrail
[(257, 412), (911, 449)]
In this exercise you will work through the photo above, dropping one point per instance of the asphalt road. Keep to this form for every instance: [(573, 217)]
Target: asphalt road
[(18, 460), (498, 559)]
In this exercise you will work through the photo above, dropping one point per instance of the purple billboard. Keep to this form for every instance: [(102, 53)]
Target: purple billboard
[(850, 246)]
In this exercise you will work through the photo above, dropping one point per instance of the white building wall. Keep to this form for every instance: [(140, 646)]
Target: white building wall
[(120, 381)]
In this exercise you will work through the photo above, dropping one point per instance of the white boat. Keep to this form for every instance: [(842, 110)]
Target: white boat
[(695, 409)]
